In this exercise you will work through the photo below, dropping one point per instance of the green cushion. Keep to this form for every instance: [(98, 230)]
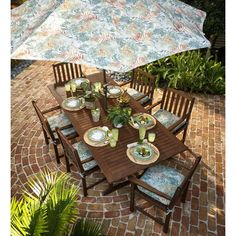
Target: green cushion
[(163, 178), (167, 119), (59, 121), (84, 153)]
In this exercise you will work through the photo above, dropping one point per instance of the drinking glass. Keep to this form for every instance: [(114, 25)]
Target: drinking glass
[(142, 132), (112, 142), (115, 134), (96, 114), (151, 137)]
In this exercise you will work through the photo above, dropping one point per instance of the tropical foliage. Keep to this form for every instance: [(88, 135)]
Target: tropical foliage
[(48, 208), (190, 71)]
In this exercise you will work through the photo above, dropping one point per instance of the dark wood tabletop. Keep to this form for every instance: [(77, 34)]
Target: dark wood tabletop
[(114, 162)]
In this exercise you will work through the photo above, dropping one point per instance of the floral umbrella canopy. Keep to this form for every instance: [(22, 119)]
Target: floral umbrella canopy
[(117, 35)]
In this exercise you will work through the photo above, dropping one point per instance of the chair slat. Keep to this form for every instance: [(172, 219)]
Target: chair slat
[(181, 106), (59, 75), (63, 73), (167, 99), (176, 104), (68, 72), (72, 70), (76, 71), (172, 100)]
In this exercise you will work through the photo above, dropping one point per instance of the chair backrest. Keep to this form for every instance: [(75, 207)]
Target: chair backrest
[(177, 103), (143, 82), (69, 151), (64, 72), (43, 121)]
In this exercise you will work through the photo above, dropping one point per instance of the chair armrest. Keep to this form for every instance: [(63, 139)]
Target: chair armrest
[(139, 182), (149, 108), (66, 127), (124, 83), (51, 109), (144, 95), (87, 160)]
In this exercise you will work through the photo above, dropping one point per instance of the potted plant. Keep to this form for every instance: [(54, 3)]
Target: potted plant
[(90, 95), (119, 116)]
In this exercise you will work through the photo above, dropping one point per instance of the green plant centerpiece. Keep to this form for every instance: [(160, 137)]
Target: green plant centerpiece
[(119, 116), (90, 94)]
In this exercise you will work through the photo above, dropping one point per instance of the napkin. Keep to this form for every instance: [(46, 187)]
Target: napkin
[(135, 143)]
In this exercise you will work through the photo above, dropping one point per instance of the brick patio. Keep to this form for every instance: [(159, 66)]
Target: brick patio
[(203, 212)]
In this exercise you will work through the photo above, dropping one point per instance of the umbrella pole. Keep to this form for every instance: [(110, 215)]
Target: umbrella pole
[(105, 89)]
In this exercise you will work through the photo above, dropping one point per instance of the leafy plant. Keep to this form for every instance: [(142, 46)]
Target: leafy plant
[(86, 227), (90, 93), (118, 115), (190, 71), (49, 208)]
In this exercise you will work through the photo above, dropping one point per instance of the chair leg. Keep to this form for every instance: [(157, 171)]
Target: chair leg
[(132, 197), (56, 153), (184, 195), (67, 164), (45, 137), (184, 135), (84, 186), (166, 223)]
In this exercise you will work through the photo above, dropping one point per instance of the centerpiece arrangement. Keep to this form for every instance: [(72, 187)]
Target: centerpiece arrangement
[(119, 116), (91, 93)]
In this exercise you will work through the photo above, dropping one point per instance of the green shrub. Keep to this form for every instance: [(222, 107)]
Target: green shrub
[(190, 71)]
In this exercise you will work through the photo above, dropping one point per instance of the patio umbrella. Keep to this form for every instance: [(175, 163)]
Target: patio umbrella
[(116, 35)]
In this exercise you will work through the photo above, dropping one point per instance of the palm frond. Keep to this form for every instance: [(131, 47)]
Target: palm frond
[(86, 227), (61, 207), (47, 209)]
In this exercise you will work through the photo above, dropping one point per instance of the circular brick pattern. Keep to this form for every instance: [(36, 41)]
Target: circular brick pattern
[(203, 212)]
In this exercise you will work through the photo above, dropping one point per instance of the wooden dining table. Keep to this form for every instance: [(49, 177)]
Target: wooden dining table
[(113, 161)]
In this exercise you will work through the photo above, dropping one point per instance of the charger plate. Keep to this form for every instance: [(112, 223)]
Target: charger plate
[(96, 137), (113, 91), (135, 156), (138, 118), (78, 81), (73, 104)]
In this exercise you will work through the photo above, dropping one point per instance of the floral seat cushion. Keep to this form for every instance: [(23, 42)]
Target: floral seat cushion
[(84, 153), (136, 95), (167, 119), (163, 178), (59, 121)]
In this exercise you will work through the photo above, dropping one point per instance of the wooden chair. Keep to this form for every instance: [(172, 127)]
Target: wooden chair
[(50, 123), (175, 111), (64, 72), (163, 186), (80, 156), (142, 86)]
